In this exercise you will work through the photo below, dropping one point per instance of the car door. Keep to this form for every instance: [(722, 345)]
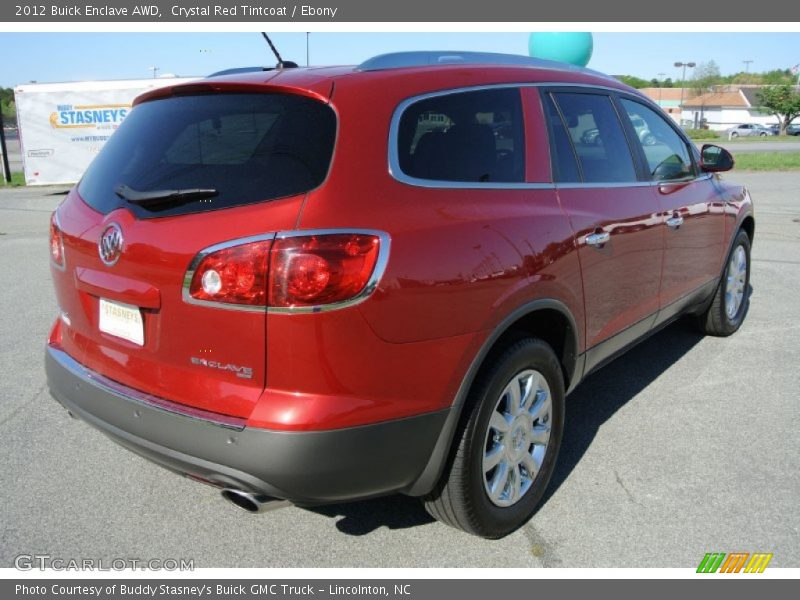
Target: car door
[(613, 214), (691, 210)]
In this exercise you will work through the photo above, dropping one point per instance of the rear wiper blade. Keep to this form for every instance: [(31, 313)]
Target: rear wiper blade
[(153, 197)]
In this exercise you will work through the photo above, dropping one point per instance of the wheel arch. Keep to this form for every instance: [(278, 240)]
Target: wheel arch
[(748, 224), (547, 319)]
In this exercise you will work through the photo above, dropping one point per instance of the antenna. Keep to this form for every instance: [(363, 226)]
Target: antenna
[(281, 63)]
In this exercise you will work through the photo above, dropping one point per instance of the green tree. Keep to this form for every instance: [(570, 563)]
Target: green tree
[(7, 106), (633, 81), (777, 77), (706, 74), (744, 78), (783, 101)]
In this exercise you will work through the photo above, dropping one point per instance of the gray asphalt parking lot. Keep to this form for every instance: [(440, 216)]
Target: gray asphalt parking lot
[(685, 445)]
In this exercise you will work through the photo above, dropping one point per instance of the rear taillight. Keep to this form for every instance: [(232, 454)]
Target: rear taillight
[(312, 270), (291, 272), (56, 242), (233, 275)]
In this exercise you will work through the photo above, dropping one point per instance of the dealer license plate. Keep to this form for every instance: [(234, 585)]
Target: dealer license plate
[(122, 321)]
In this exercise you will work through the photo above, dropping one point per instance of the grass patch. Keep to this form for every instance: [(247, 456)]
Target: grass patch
[(768, 161), (761, 139), (702, 134), (17, 180)]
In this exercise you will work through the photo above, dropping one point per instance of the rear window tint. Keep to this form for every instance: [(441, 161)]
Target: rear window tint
[(466, 136), (248, 147)]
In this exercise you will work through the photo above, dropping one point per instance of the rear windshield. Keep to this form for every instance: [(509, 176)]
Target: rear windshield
[(246, 147)]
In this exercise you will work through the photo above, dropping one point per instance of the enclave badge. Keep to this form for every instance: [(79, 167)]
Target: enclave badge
[(110, 245)]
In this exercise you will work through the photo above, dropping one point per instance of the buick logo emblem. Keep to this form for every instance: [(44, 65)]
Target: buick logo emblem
[(110, 245)]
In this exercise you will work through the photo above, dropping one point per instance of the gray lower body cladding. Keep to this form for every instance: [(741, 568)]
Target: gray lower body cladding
[(314, 467)]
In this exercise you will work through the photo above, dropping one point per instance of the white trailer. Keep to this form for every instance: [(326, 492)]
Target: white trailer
[(62, 126)]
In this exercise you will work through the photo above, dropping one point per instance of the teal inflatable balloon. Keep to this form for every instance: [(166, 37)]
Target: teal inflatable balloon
[(573, 48)]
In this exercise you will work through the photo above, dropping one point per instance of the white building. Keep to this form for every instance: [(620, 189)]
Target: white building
[(726, 107)]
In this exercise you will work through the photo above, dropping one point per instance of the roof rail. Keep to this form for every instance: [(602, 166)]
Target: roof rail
[(400, 60)]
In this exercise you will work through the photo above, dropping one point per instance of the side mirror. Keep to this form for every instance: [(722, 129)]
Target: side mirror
[(714, 159)]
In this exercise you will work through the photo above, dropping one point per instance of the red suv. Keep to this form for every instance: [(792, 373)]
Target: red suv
[(328, 284)]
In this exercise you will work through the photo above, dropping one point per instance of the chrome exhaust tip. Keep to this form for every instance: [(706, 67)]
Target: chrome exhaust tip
[(252, 503)]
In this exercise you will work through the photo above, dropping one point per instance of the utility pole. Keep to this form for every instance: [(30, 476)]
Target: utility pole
[(683, 82), (154, 70), (660, 84), (747, 66)]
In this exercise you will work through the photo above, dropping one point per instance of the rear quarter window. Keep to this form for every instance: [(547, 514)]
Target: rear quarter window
[(473, 136), (248, 147)]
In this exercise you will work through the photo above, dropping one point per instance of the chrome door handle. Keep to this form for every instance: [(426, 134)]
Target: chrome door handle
[(598, 239), (675, 222)]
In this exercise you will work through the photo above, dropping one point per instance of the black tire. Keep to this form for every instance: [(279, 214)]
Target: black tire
[(716, 320), (460, 498), (734, 135)]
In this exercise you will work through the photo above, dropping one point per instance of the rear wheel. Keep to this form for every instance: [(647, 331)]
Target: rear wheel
[(507, 445), (729, 307)]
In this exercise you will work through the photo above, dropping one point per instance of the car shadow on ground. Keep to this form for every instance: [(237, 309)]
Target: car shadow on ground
[(592, 403), (604, 392), (361, 518)]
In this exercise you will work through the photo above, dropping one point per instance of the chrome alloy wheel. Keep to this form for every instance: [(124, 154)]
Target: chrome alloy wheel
[(736, 279), (517, 438)]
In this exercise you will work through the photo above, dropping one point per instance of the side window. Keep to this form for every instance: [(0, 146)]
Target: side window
[(667, 154), (562, 155), (467, 136), (598, 138)]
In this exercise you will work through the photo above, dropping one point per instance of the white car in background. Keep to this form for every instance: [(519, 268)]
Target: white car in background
[(748, 130)]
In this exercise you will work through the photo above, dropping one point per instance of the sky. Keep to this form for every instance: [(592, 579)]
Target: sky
[(55, 57)]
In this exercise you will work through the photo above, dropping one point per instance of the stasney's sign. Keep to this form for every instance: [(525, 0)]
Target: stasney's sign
[(102, 116), (64, 125)]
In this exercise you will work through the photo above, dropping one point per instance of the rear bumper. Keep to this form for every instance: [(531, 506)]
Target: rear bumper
[(308, 467)]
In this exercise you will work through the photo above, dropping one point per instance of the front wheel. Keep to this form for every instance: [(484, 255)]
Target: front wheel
[(729, 307), (507, 445)]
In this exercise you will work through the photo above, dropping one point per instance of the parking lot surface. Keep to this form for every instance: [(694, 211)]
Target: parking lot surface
[(685, 445)]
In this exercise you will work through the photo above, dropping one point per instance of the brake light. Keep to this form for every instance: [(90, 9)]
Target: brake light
[(289, 272), (234, 275), (321, 269), (56, 242)]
